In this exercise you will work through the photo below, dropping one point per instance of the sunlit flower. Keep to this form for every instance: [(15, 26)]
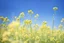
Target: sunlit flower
[(37, 15), (26, 36), (14, 24), (27, 22), (60, 26), (4, 39), (43, 27), (37, 38), (57, 41), (48, 27), (8, 20), (1, 17), (5, 34), (36, 26), (30, 11), (44, 22), (21, 15), (26, 41), (62, 20), (5, 19), (52, 38), (55, 8), (17, 19), (49, 31), (16, 33), (15, 41), (11, 29)]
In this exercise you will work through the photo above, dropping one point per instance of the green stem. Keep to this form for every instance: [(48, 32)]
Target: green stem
[(53, 20)]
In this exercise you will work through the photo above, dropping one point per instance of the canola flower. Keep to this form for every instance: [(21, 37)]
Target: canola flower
[(15, 33), (4, 19), (62, 23), (1, 17), (62, 20), (36, 25), (36, 16), (14, 24), (30, 12), (21, 15), (60, 26), (55, 9), (27, 22)]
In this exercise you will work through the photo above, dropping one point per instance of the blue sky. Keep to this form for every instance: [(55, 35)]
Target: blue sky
[(11, 8)]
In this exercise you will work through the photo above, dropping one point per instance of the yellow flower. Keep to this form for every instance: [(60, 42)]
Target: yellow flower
[(14, 24), (57, 41), (21, 15), (18, 19), (60, 26), (44, 27), (33, 37), (15, 41), (36, 16), (62, 20), (51, 38), (44, 22), (5, 34), (16, 33), (1, 18), (49, 31), (26, 41), (55, 8), (4, 39), (11, 30), (27, 22), (36, 25), (48, 27), (26, 36), (30, 35), (5, 19), (30, 11), (37, 38)]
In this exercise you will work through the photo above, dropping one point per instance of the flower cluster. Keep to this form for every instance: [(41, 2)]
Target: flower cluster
[(15, 32)]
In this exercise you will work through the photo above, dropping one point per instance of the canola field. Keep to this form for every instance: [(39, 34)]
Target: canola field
[(26, 32)]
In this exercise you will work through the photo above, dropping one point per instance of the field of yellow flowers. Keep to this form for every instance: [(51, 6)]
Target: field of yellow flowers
[(26, 32)]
